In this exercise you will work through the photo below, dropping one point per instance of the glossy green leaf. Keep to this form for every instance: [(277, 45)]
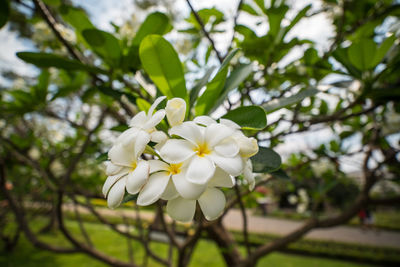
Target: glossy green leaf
[(162, 64), (45, 60), (142, 104), (104, 44), (341, 55), (155, 23), (266, 160), (248, 117), (236, 77), (4, 12), (200, 84), (280, 174), (383, 49), (287, 101), (362, 53), (214, 89)]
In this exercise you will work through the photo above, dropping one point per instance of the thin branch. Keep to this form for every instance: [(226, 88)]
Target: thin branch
[(244, 216), (235, 21), (203, 29)]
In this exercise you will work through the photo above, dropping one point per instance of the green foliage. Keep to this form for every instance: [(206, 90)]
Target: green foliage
[(215, 88), (266, 160), (287, 101), (4, 12), (105, 45), (248, 117), (162, 64), (46, 60)]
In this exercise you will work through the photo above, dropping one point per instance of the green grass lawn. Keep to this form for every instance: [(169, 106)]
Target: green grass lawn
[(206, 253)]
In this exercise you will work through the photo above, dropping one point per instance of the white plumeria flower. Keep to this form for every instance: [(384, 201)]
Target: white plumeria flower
[(175, 110), (126, 169), (211, 201), (248, 146), (204, 148), (168, 181), (146, 123)]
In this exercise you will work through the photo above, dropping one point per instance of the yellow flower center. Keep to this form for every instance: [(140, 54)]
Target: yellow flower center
[(202, 150), (174, 168), (133, 166)]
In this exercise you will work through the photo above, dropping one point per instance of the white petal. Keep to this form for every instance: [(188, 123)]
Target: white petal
[(120, 155), (116, 194), (153, 189), (112, 169), (154, 120), (170, 191), (221, 179), (138, 120), (176, 151), (137, 178), (233, 166), (157, 165), (158, 137), (204, 120), (189, 131), (127, 137), (212, 203), (111, 180), (200, 170), (248, 174), (181, 209), (229, 123), (141, 141), (215, 133), (176, 111), (248, 146), (227, 147), (187, 189), (155, 104)]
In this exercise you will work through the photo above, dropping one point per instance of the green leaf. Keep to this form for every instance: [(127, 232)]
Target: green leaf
[(237, 76), (45, 60), (383, 49), (298, 17), (362, 53), (105, 45), (128, 198), (214, 88), (280, 174), (340, 54), (266, 160), (275, 16), (52, 2), (4, 12), (142, 104), (162, 64), (200, 84), (120, 128), (287, 101), (155, 23), (76, 17), (249, 9), (249, 117)]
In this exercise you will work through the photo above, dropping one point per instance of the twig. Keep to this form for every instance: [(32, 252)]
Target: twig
[(244, 216), (203, 29)]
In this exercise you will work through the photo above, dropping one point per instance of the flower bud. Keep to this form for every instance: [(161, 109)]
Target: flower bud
[(175, 109)]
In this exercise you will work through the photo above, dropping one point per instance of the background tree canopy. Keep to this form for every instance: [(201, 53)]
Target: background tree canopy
[(325, 113)]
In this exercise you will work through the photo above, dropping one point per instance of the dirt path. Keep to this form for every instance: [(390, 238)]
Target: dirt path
[(256, 224)]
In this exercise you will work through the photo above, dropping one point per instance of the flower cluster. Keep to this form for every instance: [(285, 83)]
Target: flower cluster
[(189, 165)]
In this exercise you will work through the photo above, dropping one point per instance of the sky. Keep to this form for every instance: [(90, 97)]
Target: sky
[(102, 12)]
